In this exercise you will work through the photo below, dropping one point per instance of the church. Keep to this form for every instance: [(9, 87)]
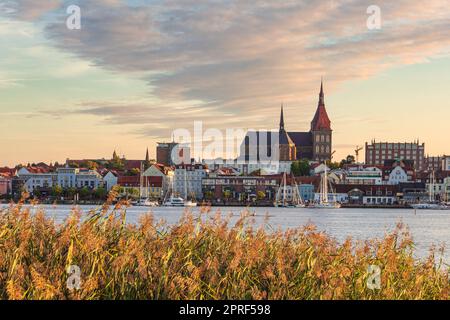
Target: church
[(314, 145)]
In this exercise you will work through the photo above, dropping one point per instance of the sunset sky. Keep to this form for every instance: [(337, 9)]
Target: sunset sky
[(137, 70)]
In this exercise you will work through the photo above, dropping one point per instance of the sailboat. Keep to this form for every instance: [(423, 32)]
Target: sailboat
[(431, 204), (281, 201), (144, 200), (324, 202)]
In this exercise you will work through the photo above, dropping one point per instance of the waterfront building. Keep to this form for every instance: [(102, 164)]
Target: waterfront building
[(110, 179), (86, 178), (5, 184), (314, 145), (395, 172), (43, 178), (241, 189), (248, 167), (160, 178), (129, 186), (446, 190), (362, 174), (307, 192), (369, 194), (37, 178), (413, 192), (446, 163), (6, 177), (187, 180), (378, 152)]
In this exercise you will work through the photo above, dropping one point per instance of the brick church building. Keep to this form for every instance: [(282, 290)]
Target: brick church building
[(315, 145)]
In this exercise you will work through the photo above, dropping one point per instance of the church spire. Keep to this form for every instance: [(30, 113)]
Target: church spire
[(321, 95), (282, 119), (147, 157), (321, 120)]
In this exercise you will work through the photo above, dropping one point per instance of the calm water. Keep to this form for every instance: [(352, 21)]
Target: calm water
[(427, 227)]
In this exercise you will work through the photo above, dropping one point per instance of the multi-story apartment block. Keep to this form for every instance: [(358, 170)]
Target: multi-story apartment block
[(37, 177), (241, 188), (433, 163), (378, 152), (446, 163), (88, 178), (172, 153), (187, 181)]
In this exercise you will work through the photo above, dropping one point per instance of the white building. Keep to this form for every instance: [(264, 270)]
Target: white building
[(446, 163), (88, 179), (332, 197), (247, 167), (110, 180), (446, 190), (397, 175), (63, 177), (363, 175), (187, 181), (37, 178)]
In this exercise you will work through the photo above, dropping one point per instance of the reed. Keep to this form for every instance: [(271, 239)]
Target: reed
[(202, 258)]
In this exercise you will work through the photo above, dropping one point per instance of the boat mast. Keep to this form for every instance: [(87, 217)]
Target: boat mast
[(431, 187), (284, 189), (185, 184), (141, 181)]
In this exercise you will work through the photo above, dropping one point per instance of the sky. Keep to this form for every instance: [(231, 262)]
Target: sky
[(137, 70)]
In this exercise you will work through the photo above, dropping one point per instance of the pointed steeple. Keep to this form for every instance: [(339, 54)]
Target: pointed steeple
[(282, 119), (321, 120), (321, 95), (147, 157)]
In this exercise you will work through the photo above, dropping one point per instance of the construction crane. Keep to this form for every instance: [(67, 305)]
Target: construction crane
[(332, 155), (357, 150)]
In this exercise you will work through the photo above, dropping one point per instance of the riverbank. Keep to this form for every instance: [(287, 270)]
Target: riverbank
[(203, 259)]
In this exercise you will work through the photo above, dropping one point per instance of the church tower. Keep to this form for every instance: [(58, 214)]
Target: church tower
[(321, 131), (288, 151)]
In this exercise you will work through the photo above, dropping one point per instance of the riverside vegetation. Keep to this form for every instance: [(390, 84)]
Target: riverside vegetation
[(202, 258)]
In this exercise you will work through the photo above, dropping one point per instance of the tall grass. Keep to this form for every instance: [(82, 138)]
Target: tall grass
[(204, 258)]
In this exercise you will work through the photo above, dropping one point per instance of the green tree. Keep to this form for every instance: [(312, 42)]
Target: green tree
[(261, 195), (57, 191), (348, 160), (71, 192), (100, 193), (333, 165), (84, 193), (301, 168), (227, 194), (37, 193)]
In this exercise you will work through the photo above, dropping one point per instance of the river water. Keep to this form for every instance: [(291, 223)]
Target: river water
[(427, 227)]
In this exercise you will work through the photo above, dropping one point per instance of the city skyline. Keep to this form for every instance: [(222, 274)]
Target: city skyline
[(135, 72)]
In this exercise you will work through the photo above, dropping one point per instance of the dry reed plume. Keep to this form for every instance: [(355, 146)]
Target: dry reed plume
[(201, 259)]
